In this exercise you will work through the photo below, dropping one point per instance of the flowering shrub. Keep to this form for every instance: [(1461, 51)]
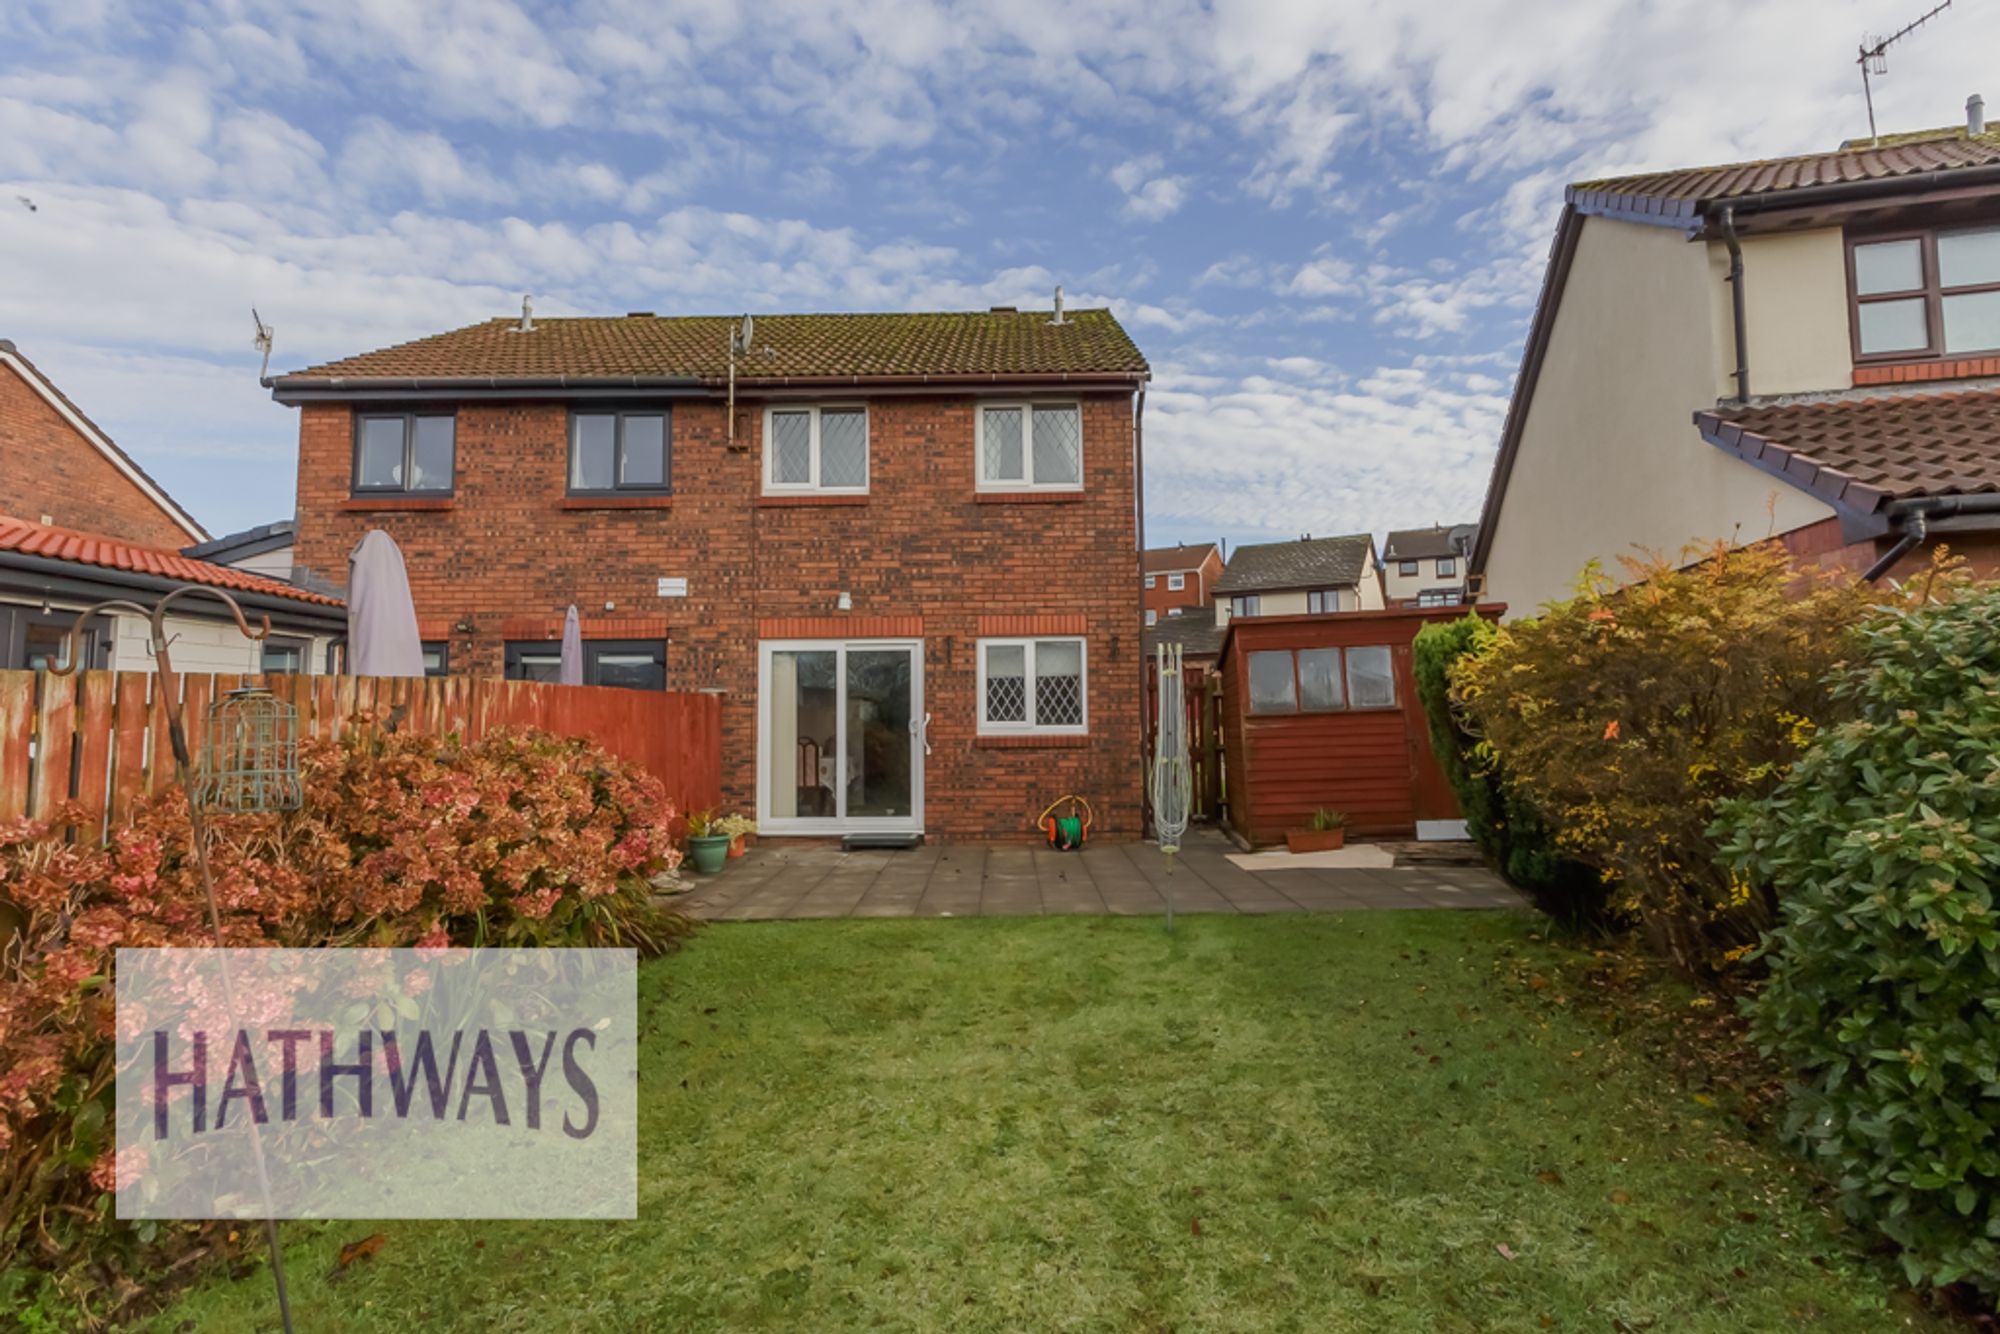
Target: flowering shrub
[(1506, 827), (1626, 713), (518, 839), (1883, 843)]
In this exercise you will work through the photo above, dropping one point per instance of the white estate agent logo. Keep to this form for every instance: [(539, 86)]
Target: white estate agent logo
[(377, 1083)]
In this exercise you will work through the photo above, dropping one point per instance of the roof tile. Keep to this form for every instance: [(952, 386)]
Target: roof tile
[(945, 345), (1863, 453), (1898, 155), (36, 539), (1314, 562)]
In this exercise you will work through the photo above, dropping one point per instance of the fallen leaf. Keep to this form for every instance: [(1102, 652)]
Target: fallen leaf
[(1194, 1227), (1548, 1176), (1506, 1252), (1621, 1197), (356, 1251)]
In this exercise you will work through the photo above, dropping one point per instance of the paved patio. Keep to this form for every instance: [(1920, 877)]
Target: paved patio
[(775, 881)]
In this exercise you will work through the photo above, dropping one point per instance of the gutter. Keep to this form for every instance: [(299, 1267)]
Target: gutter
[(1913, 518), (1736, 302), (1693, 214), (301, 388)]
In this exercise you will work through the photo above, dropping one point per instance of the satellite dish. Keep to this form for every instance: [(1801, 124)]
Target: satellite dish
[(745, 334)]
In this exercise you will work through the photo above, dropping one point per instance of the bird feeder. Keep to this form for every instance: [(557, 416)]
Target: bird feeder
[(250, 759)]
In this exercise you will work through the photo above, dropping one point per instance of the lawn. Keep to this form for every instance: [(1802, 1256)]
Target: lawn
[(1358, 1121)]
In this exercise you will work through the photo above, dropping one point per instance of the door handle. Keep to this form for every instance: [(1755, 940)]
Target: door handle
[(924, 733)]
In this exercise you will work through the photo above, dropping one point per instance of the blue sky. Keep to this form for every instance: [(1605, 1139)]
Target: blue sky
[(1323, 222)]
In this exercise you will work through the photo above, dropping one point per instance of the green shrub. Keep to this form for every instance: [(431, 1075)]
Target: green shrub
[(1507, 829), (1883, 843)]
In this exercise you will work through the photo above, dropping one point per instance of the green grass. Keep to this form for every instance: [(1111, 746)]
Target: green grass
[(1316, 1124)]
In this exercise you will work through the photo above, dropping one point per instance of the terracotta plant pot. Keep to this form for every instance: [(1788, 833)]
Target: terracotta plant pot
[(1315, 840), (736, 848), (708, 852)]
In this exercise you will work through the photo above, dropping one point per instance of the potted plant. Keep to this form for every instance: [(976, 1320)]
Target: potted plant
[(708, 846), (736, 827), (1327, 831)]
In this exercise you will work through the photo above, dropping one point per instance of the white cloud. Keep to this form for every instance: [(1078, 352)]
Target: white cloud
[(1149, 196)]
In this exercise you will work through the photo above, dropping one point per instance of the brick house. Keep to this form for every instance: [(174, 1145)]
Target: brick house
[(906, 557), (1804, 350), (81, 523), (1179, 580)]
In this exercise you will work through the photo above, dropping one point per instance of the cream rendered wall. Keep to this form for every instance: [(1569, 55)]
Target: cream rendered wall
[(1404, 587), (198, 646), (1369, 590), (275, 564), (1609, 461), (1795, 310)]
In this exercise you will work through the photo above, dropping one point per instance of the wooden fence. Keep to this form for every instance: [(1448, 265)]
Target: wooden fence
[(101, 737)]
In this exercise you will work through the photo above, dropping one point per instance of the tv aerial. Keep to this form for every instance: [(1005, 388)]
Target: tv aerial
[(262, 343), (1874, 60)]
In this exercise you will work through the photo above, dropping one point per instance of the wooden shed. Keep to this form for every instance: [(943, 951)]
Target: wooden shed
[(1323, 711)]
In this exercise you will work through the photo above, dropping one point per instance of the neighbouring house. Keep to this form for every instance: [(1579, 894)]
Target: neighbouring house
[(1322, 712), (1180, 579), (265, 549), (907, 557), (1426, 567), (81, 523), (1805, 349), (1306, 577), (1198, 632)]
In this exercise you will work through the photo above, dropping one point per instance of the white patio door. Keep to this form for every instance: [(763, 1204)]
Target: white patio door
[(840, 741)]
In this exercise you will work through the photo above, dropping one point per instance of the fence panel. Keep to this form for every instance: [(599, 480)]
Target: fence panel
[(101, 737)]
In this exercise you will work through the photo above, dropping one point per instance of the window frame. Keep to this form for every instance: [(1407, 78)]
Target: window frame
[(1030, 726), (1152, 616), (297, 643), (1409, 569), (1346, 705), (1447, 567), (618, 415), (1028, 407), (1323, 595), (409, 417), (442, 647), (812, 487), (1149, 581), (516, 649), (1237, 607), (1932, 291), (1177, 582)]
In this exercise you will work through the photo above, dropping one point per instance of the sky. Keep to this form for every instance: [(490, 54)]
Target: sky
[(1323, 222)]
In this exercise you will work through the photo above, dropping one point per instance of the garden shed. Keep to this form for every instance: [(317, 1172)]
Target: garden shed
[(1322, 711)]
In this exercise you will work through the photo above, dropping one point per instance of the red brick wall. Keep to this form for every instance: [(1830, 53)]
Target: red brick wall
[(922, 554), (1822, 544), (1199, 590), (48, 467)]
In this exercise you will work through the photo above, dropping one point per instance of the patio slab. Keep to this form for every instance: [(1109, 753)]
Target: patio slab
[(775, 882)]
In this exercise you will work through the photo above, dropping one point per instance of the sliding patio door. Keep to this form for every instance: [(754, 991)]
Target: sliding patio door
[(840, 737)]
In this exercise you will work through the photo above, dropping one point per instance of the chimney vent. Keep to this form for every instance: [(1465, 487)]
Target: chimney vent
[(1059, 307), (527, 324), (1975, 115)]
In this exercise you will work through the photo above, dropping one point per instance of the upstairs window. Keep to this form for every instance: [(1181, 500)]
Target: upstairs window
[(1447, 567), (1176, 583), (816, 450), (619, 452), (403, 452), (1246, 604), (1322, 600), (1030, 447), (1925, 294), (1407, 568)]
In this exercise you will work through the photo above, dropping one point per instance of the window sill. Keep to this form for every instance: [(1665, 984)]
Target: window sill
[(1031, 740), (782, 501), (1914, 372), (364, 504), (1027, 497), (616, 503)]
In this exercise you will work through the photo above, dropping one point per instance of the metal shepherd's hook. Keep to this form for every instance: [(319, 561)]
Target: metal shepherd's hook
[(170, 695)]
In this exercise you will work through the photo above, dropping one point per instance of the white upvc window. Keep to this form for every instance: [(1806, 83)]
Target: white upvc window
[(816, 449), (1152, 616), (1149, 581), (1030, 446), (1176, 582), (1033, 686)]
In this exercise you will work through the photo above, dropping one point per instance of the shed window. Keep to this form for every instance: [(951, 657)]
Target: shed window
[(1321, 680)]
